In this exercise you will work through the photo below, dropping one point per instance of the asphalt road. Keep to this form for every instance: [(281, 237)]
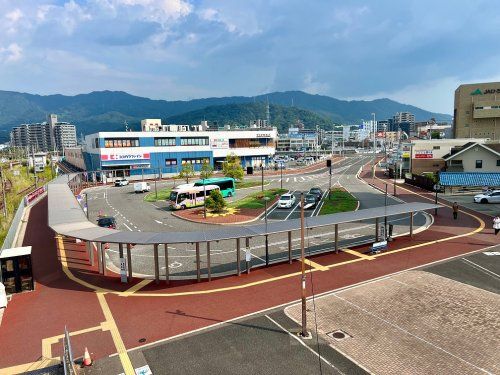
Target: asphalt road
[(133, 213)]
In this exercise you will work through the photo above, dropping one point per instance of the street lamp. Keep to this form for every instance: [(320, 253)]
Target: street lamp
[(303, 268), (374, 128), (204, 199), (281, 178), (262, 174)]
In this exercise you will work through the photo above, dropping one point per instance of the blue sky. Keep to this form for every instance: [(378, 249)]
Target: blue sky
[(416, 52)]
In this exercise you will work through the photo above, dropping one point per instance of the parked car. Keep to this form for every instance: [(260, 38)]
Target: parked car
[(141, 187), (121, 182), (317, 192), (310, 201), (107, 222), (286, 201), (488, 197)]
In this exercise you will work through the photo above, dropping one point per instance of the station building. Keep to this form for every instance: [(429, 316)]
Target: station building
[(477, 111), (165, 148)]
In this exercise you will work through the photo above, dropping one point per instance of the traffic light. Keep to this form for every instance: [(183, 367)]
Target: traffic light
[(328, 163)]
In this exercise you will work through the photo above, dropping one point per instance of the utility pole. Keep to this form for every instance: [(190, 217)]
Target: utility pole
[(281, 178), (303, 269), (330, 183), (4, 199), (374, 148)]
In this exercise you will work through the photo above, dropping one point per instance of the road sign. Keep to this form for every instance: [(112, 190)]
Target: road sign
[(382, 231), (144, 370), (123, 270), (248, 254)]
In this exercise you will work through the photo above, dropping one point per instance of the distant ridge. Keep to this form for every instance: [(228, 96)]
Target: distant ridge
[(107, 110)]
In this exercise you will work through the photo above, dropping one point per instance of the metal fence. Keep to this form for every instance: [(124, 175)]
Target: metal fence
[(11, 234)]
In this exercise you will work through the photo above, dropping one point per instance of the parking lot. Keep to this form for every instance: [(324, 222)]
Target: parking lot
[(439, 319), (467, 200)]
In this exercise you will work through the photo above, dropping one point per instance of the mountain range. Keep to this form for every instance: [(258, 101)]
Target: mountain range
[(108, 110)]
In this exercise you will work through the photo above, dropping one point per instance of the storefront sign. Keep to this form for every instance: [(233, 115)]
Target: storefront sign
[(140, 166), (31, 197), (485, 92), (145, 155), (219, 143), (423, 154), (405, 155), (262, 135), (380, 134)]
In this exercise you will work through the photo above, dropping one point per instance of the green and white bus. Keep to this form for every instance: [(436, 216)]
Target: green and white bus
[(227, 185), (187, 196)]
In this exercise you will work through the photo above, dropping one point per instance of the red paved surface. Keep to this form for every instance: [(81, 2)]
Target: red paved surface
[(58, 301)]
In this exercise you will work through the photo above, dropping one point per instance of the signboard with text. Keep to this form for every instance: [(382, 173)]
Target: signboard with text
[(219, 143), (423, 154), (31, 197), (127, 156)]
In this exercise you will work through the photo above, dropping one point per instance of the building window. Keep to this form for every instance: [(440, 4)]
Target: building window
[(436, 147), (195, 161), (169, 162), (121, 142), (164, 141), (456, 162), (194, 141), (498, 162), (479, 164)]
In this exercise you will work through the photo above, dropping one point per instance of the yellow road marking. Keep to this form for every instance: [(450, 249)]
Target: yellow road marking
[(24, 368), (315, 265), (358, 254), (49, 341), (135, 287), (115, 334)]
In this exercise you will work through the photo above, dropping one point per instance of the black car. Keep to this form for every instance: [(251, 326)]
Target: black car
[(317, 192), (310, 201), (107, 222)]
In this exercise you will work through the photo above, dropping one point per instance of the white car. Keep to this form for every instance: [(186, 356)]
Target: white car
[(488, 197), (121, 182), (286, 201)]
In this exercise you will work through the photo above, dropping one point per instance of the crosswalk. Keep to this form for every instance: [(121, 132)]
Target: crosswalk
[(299, 178)]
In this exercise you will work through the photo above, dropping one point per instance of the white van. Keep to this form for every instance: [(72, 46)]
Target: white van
[(141, 187)]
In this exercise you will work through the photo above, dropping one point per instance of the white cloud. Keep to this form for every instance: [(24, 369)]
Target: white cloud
[(313, 86), (13, 52), (14, 15)]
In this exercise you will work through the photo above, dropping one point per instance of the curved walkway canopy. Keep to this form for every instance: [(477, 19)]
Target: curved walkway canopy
[(66, 217)]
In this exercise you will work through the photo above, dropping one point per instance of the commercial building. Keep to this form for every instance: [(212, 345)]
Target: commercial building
[(74, 156), (298, 140), (477, 111), (427, 155), (46, 136), (166, 148)]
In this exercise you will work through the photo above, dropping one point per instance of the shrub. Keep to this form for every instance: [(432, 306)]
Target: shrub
[(215, 201)]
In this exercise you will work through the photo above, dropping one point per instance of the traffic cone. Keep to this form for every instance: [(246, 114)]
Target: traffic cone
[(87, 361)]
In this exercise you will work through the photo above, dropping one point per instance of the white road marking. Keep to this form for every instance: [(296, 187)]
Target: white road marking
[(158, 221), (484, 270), (288, 179), (126, 226), (302, 343)]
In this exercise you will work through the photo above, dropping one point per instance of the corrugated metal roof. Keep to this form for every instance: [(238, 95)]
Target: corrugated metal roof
[(67, 218), (469, 178)]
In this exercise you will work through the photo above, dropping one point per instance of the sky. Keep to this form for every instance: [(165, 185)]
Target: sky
[(415, 52)]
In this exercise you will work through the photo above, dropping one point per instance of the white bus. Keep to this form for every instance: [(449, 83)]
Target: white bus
[(183, 197)]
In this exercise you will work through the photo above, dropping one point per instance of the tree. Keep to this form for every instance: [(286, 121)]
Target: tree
[(186, 172), (435, 135), (232, 167), (206, 170), (215, 201)]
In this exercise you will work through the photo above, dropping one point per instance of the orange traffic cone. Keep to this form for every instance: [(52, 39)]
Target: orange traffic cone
[(87, 361)]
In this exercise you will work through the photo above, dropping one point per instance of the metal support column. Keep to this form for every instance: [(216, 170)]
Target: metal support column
[(267, 250), (336, 238), (290, 247), (157, 264), (167, 270), (247, 246), (209, 271), (99, 258), (376, 230), (411, 224), (103, 261), (238, 257), (198, 271), (129, 261)]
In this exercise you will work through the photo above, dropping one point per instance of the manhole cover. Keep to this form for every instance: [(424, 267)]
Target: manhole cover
[(142, 340), (338, 335)]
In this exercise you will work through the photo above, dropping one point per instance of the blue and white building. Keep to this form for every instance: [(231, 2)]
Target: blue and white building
[(166, 148)]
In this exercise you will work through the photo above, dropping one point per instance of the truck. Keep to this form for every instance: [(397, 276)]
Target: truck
[(141, 187)]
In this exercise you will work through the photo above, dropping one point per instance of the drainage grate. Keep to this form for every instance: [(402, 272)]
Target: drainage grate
[(338, 335), (143, 340)]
